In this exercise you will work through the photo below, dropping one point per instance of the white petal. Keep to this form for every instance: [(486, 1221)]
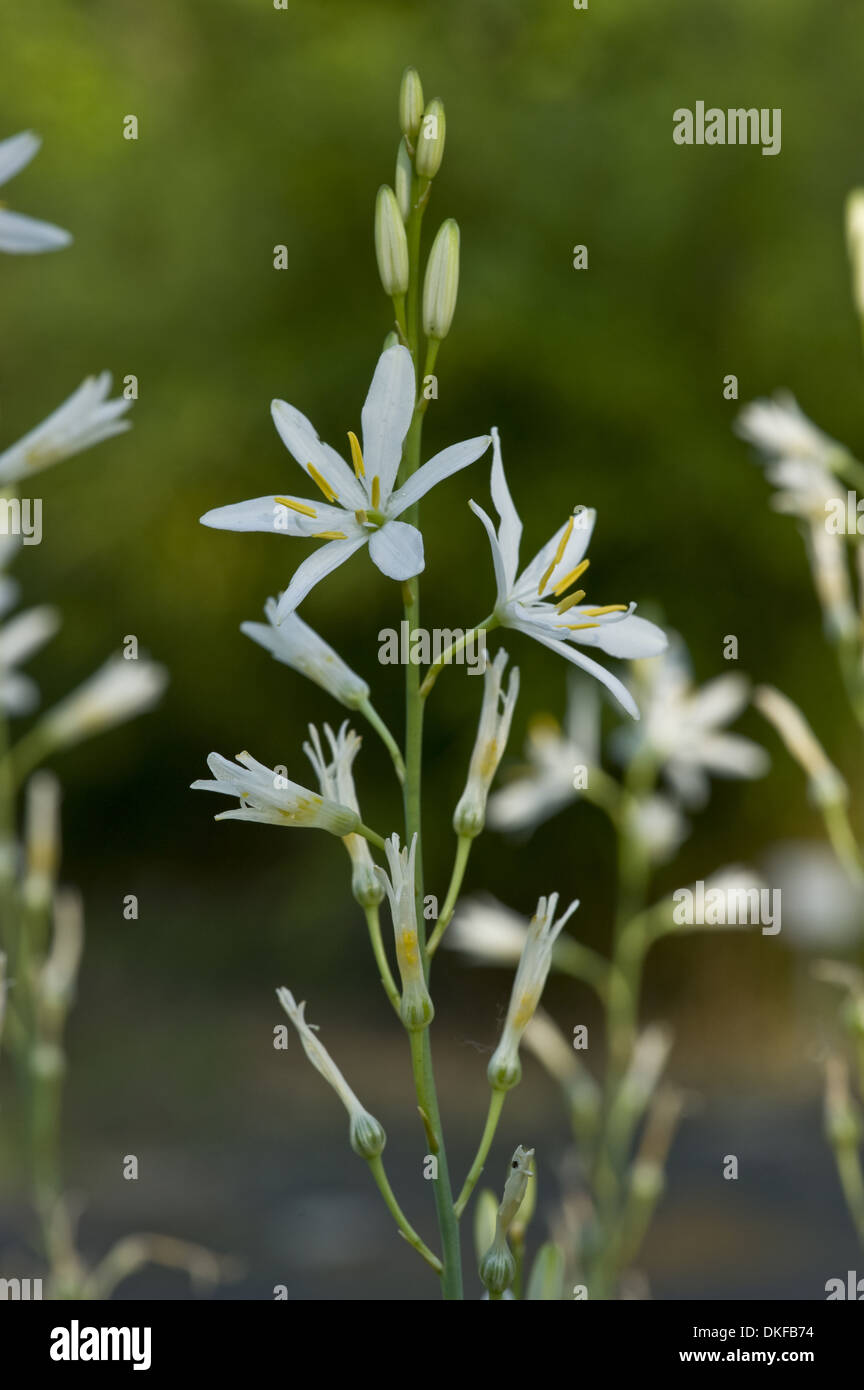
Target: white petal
[(18, 694), (497, 554), (435, 470), (612, 683), (719, 701), (26, 236), (572, 555), (16, 152), (301, 440), (386, 416), (266, 514), (397, 550), (315, 568), (632, 638), (510, 530), (25, 634), (732, 755)]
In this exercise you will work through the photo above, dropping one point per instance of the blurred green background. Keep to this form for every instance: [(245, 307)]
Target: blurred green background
[(260, 127)]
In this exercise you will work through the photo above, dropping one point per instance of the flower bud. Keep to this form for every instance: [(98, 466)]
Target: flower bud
[(391, 243), (498, 1267), (366, 1134), (430, 140), (503, 1072), (410, 103), (404, 175), (441, 286)]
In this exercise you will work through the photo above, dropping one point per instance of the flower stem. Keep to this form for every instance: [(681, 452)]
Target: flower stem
[(374, 718), (435, 669), (376, 1168), (496, 1104), (370, 835), (373, 921), (463, 849)]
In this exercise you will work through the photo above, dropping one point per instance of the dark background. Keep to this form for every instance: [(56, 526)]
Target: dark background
[(260, 127)]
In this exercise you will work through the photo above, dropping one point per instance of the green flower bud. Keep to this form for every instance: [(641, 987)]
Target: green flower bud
[(430, 140), (441, 285), (367, 1135), (504, 1072), (410, 103), (404, 175), (416, 1010), (391, 243), (498, 1267)]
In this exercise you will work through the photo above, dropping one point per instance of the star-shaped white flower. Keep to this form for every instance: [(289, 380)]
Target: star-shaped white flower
[(541, 601), (799, 458), (19, 234), (362, 504), (85, 418)]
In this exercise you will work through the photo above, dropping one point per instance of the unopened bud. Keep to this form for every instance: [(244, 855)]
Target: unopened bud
[(404, 175), (366, 1134), (391, 243), (498, 1267), (410, 103), (441, 285), (430, 140)]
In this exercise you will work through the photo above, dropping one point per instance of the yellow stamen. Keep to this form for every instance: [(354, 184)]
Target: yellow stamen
[(607, 608), (361, 518), (322, 482), (376, 491), (570, 578), (579, 627), (570, 601), (296, 506), (559, 554), (526, 1009), (329, 536), (356, 455)]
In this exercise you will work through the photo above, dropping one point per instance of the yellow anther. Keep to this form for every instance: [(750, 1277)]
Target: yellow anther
[(361, 518), (329, 536), (607, 608), (376, 491), (356, 454), (559, 555), (570, 601), (322, 482), (296, 506), (579, 627), (570, 578)]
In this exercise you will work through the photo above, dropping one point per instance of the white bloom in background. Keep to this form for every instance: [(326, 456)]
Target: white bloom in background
[(361, 506), (487, 932), (86, 418), (537, 602), (336, 780), (493, 731), (505, 1069), (367, 1135), (297, 645), (684, 725), (658, 825), (552, 755), (268, 797), (120, 690), (798, 456), (399, 884), (855, 242), (20, 638), (822, 909), (19, 234)]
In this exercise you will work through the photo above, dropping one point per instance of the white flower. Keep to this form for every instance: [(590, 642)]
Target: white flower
[(505, 1069), (270, 798), (552, 755), (121, 689), (799, 457), (297, 645), (86, 418), (822, 909), (493, 730), (537, 603), (336, 780), (361, 506), (684, 725), (19, 639), (17, 233), (416, 1009), (367, 1135), (658, 825), (487, 932)]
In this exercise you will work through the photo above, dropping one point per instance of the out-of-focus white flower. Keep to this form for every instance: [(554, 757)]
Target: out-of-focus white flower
[(537, 603), (336, 780), (367, 1135), (493, 730), (658, 825), (19, 234), (362, 505), (487, 932), (86, 418), (798, 455), (505, 1069), (827, 785), (297, 645), (552, 756), (822, 909), (268, 797), (20, 637), (121, 689), (855, 241), (684, 725), (416, 1009)]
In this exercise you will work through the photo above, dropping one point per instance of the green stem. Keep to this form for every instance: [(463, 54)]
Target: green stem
[(463, 849), (496, 1104), (374, 718), (376, 1168), (424, 1082), (487, 625), (373, 921), (370, 835)]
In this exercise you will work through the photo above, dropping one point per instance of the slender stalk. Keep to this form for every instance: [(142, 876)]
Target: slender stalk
[(370, 835), (373, 921), (374, 718), (463, 850), (424, 1082), (376, 1168), (496, 1104), (436, 668)]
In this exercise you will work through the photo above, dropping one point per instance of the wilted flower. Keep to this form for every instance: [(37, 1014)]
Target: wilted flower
[(416, 1009), (498, 1267), (266, 796), (336, 780), (86, 418), (21, 234), (493, 731), (361, 506), (366, 1134), (297, 645), (537, 602)]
